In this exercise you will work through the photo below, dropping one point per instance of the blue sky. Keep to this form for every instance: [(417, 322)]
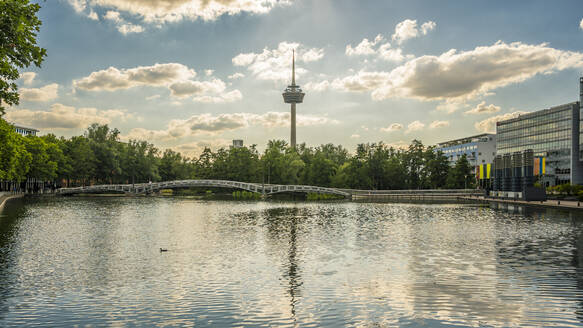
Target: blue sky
[(185, 74)]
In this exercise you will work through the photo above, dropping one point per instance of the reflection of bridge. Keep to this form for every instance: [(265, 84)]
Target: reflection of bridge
[(147, 188)]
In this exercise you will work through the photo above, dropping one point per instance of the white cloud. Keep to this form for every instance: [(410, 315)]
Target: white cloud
[(27, 77), (581, 24), (365, 47), (457, 77), (46, 93), (153, 97), (187, 88), (414, 126), (236, 76), (482, 108), (209, 124), (355, 136), (489, 124), (66, 117), (112, 16), (115, 79), (383, 51), (93, 16), (438, 124), (209, 72), (160, 12), (393, 127), (228, 97), (130, 28), (427, 26), (317, 86), (275, 64), (408, 29), (361, 82)]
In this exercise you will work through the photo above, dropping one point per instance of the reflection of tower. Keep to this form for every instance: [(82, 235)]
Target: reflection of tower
[(293, 95)]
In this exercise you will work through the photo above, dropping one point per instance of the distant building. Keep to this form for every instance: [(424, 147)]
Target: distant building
[(23, 130), (237, 143), (551, 133), (479, 149)]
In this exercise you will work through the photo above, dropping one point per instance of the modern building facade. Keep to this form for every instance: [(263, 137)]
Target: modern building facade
[(479, 149), (293, 95), (552, 133), (24, 131), (237, 143)]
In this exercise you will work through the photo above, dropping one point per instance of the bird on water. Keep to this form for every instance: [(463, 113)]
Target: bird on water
[(163, 250)]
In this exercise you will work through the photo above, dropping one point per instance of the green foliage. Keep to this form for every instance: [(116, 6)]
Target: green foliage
[(246, 195), (99, 156), (319, 197), (460, 176), (19, 26)]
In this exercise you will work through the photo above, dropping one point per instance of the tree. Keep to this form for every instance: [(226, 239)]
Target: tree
[(14, 159), (19, 26), (437, 168), (460, 176)]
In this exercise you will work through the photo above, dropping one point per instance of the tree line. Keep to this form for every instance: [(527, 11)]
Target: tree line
[(99, 157)]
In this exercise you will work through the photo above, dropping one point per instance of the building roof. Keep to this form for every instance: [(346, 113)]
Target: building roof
[(539, 113), (16, 125), (465, 140)]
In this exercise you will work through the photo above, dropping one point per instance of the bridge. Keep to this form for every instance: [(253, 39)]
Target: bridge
[(148, 188)]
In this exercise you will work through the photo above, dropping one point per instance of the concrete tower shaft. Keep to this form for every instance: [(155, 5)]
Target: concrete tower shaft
[(293, 95)]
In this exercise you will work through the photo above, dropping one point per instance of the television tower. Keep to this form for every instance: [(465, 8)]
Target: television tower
[(293, 95)]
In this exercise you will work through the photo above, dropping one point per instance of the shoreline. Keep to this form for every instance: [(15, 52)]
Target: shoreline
[(4, 198)]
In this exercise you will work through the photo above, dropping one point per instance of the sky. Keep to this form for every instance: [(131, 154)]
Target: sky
[(189, 74)]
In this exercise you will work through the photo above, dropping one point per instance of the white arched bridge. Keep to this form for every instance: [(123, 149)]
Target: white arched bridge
[(148, 188)]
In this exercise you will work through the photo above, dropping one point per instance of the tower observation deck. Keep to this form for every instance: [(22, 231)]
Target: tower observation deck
[(293, 95)]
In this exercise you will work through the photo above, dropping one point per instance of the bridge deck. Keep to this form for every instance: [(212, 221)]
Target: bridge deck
[(146, 188)]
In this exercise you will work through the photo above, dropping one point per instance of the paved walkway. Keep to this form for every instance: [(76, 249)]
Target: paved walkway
[(560, 204)]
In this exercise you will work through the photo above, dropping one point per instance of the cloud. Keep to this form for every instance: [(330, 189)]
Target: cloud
[(209, 124), (581, 24), (438, 124), (236, 76), (458, 76), (112, 16), (93, 16), (27, 77), (361, 82), (481, 108), (46, 93), (115, 79), (275, 64), (393, 127), (67, 117), (317, 86), (365, 47), (489, 124), (153, 97), (130, 28), (408, 29), (355, 136), (383, 51), (427, 26), (168, 11), (194, 149), (414, 126), (187, 88), (228, 97)]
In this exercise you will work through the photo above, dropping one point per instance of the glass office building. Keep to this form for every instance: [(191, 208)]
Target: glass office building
[(552, 133)]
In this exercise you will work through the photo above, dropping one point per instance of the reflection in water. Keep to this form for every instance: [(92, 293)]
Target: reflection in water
[(91, 261)]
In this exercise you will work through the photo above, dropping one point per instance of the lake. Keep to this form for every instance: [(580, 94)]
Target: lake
[(96, 261)]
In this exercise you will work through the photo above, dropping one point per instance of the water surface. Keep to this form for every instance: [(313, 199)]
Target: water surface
[(96, 262)]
